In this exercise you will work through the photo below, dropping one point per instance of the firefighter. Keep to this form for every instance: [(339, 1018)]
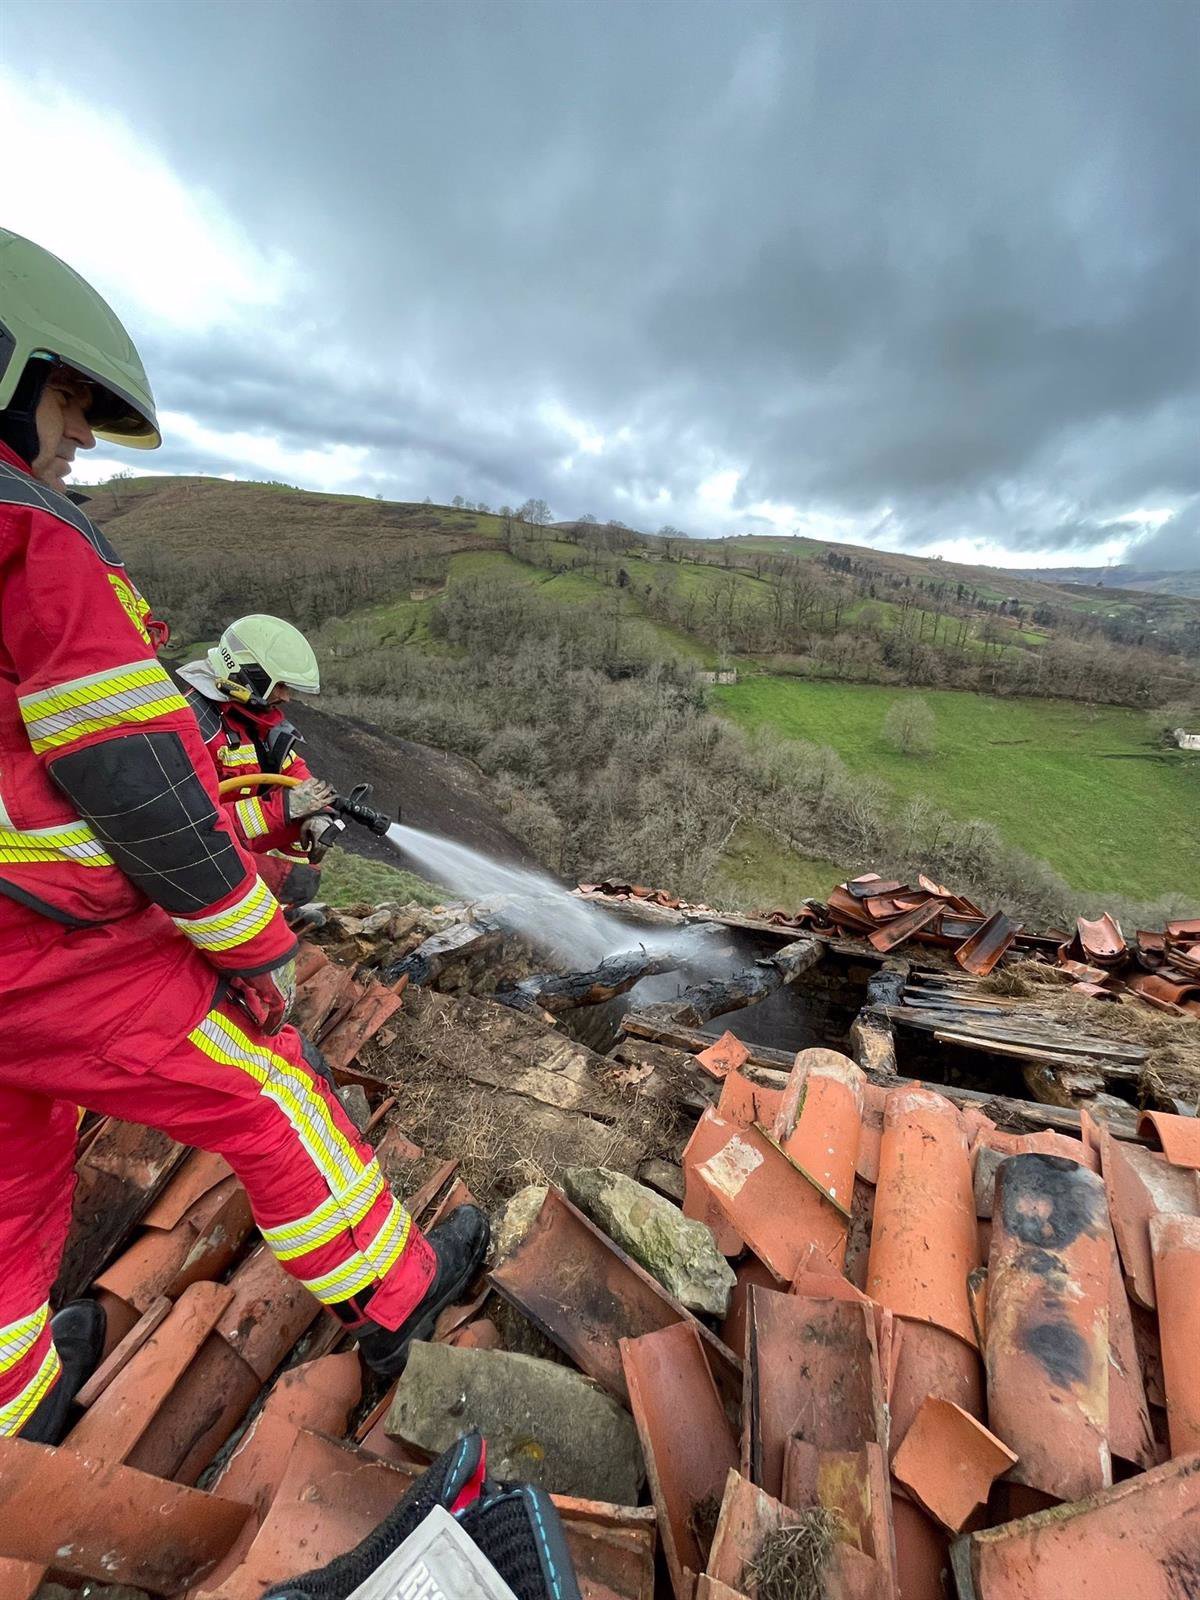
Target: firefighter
[(237, 694), (147, 969)]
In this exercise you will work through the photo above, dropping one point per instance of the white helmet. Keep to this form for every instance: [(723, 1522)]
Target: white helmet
[(261, 652)]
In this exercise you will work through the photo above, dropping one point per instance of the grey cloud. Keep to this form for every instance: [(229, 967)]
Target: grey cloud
[(937, 258)]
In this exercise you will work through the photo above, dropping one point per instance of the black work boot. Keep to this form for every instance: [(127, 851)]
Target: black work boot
[(460, 1244), (78, 1332)]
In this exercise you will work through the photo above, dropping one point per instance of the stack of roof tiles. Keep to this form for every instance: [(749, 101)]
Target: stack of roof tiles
[(977, 1349)]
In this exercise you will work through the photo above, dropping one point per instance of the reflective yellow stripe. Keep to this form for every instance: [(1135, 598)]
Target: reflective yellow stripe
[(72, 841), (354, 1185), (252, 817), (136, 692), (18, 1411), (362, 1270), (19, 1338), (291, 1089), (331, 1217), (238, 924), (238, 755)]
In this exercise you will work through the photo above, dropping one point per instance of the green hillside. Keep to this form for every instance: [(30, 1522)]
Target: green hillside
[(1083, 788), (1089, 788)]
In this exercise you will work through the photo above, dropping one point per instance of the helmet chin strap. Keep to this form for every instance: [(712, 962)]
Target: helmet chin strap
[(18, 421)]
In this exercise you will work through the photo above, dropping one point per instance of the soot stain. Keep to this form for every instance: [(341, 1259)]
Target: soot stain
[(1049, 1200), (1061, 1351)]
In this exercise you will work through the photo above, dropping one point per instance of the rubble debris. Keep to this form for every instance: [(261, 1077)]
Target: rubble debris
[(679, 1252), (581, 1291), (724, 1057), (862, 1353), (544, 1423), (514, 1221)]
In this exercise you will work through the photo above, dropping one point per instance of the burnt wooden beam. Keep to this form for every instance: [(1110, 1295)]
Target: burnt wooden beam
[(872, 1043), (699, 1005), (562, 991), (426, 963)]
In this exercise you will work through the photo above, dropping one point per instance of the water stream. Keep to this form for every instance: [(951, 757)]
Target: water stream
[(549, 916)]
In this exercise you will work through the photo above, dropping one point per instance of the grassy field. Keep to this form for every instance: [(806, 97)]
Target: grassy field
[(759, 873), (1085, 789)]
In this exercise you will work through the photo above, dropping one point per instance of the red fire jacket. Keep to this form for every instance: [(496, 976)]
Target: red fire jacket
[(241, 743), (108, 806)]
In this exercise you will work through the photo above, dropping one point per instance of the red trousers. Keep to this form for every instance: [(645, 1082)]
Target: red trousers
[(315, 1189)]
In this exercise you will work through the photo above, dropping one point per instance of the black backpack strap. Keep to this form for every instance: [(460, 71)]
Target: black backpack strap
[(19, 489)]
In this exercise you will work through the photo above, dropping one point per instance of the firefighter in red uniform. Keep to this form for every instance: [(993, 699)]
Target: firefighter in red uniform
[(147, 969), (238, 693)]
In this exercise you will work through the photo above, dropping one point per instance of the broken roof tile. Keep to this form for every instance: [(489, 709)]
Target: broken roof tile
[(97, 1519), (119, 1417), (586, 1295), (819, 1122), (812, 1371), (1101, 941), (1137, 1541), (1175, 1243), (723, 1057), (924, 1241), (688, 1447), (949, 1461), (895, 932), (710, 1134), (771, 1204), (980, 953), (745, 1102), (1179, 1137), (1047, 1348), (329, 1497), (747, 1514), (1141, 1184)]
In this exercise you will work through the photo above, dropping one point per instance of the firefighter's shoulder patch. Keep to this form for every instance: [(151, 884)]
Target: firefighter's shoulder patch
[(134, 607), (19, 489)]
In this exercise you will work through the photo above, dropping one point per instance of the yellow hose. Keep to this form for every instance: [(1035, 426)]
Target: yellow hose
[(257, 780)]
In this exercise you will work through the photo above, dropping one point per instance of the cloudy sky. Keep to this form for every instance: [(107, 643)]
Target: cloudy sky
[(917, 273)]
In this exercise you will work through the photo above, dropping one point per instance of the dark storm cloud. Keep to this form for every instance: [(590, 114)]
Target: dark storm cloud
[(932, 266)]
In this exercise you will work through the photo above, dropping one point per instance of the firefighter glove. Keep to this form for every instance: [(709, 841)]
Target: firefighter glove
[(268, 996), (318, 834), (308, 798)]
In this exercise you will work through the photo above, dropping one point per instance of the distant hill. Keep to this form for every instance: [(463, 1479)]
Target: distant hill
[(1186, 584), (193, 516)]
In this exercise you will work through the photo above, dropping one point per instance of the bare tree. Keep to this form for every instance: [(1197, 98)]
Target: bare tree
[(909, 727), (535, 511)]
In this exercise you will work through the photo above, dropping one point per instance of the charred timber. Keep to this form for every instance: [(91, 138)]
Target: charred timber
[(697, 1006), (555, 992), (429, 960)]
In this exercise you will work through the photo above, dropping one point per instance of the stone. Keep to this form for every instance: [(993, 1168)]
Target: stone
[(356, 1105), (514, 1220), (544, 1423), (677, 1251)]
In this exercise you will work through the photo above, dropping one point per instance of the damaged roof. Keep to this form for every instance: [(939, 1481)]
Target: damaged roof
[(959, 1356)]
